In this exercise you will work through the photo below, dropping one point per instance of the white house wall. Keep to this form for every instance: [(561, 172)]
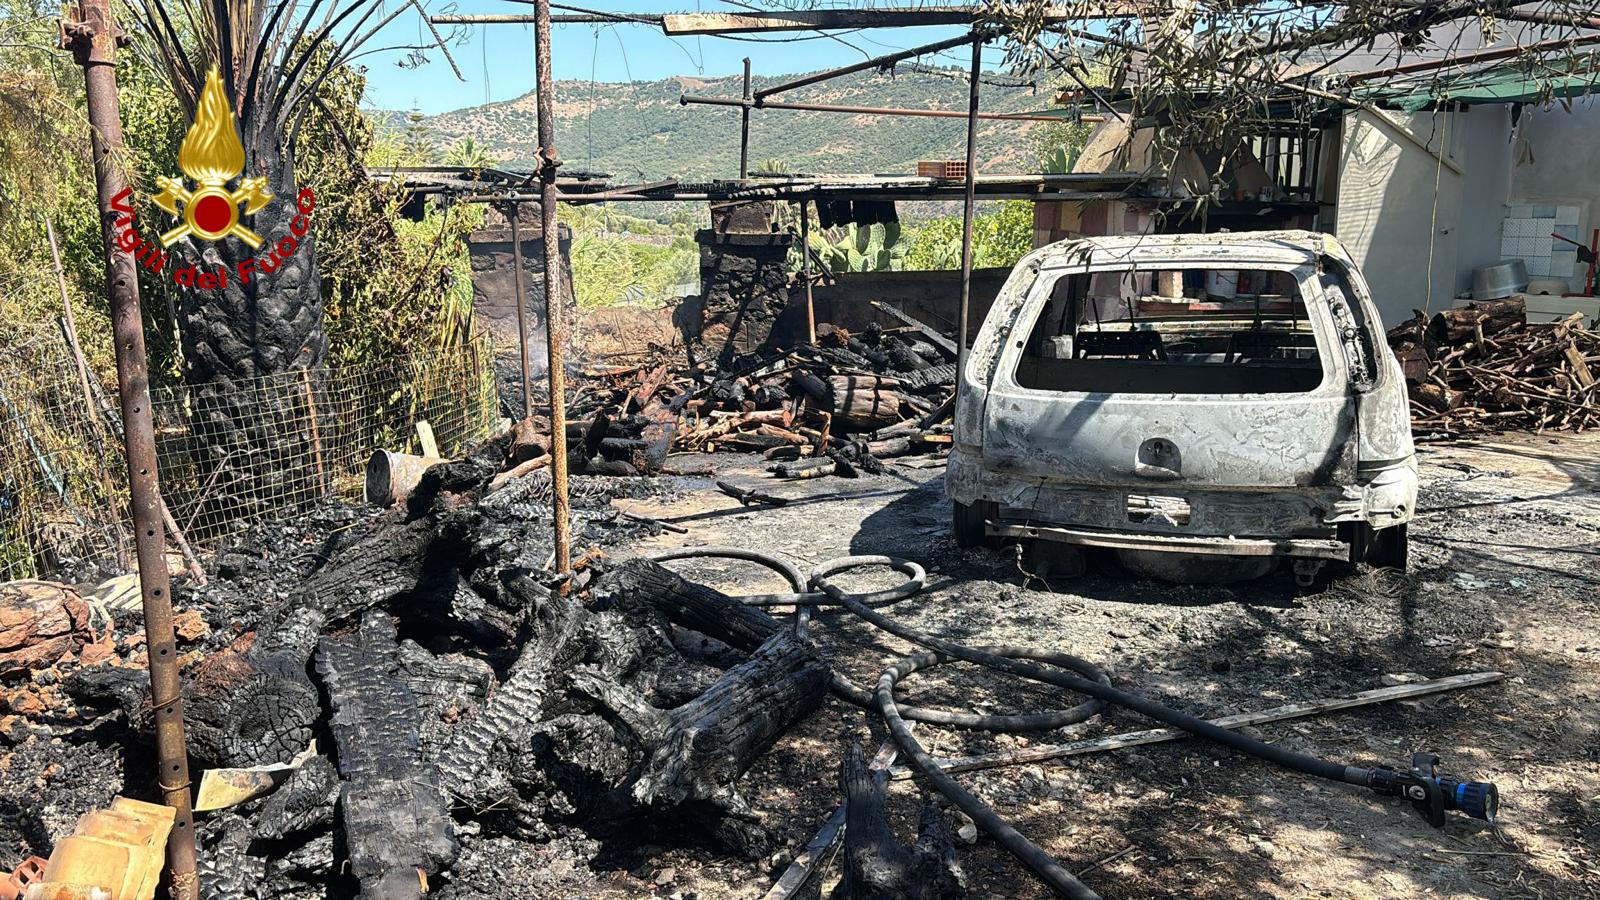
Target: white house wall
[(1387, 215), (1559, 163)]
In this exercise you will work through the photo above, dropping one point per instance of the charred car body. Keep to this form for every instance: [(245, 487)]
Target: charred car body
[(1222, 395)]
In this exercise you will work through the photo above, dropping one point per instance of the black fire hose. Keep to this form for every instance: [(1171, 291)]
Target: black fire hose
[(1431, 794), (847, 690)]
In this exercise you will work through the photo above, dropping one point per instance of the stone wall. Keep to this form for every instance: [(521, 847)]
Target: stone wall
[(494, 283), (744, 283)]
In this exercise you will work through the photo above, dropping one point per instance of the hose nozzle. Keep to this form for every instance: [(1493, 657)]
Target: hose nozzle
[(1433, 795)]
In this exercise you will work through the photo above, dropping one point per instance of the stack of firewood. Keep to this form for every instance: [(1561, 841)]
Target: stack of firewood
[(877, 394), (1485, 367)]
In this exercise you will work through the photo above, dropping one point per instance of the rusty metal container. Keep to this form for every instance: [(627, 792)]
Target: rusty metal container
[(391, 477)]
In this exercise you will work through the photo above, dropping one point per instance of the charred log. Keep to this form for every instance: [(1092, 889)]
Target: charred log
[(303, 803), (394, 815), (1486, 317), (644, 589), (239, 709), (878, 867), (552, 646), (694, 755), (250, 709), (448, 689)]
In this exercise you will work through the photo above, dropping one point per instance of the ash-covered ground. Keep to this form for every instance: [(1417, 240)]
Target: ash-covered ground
[(1503, 578)]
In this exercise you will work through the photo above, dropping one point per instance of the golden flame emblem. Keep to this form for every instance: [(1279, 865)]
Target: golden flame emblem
[(212, 155)]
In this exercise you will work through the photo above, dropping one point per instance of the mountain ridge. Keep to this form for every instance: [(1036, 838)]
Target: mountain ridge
[(638, 131)]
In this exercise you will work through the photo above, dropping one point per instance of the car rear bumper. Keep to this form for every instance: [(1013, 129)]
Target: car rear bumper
[(1301, 548), (1299, 522)]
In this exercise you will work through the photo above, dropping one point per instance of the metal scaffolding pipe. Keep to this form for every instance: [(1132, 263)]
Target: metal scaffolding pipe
[(1480, 56), (90, 32), (805, 271), (744, 126), (514, 212), (757, 20), (876, 62), (696, 100), (524, 19), (968, 202), (553, 312)]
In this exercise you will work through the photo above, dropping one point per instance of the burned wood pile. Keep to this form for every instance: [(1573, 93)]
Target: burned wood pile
[(1484, 367), (425, 684), (845, 402)]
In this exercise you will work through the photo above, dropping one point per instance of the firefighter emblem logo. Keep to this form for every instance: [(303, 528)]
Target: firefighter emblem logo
[(211, 156)]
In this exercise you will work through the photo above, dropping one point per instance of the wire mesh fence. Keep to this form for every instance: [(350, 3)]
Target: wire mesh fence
[(228, 456)]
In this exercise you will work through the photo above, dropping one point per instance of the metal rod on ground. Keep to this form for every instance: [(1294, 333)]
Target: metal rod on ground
[(744, 126), (1238, 720), (513, 211), (966, 209), (548, 163), (805, 271), (91, 33)]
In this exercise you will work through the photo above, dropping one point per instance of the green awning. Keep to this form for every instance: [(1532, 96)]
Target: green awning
[(1501, 84)]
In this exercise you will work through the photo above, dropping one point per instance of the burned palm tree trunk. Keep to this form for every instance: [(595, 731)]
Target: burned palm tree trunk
[(246, 340), (395, 818)]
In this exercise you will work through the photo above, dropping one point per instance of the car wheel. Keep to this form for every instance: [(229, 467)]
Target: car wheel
[(1389, 548), (967, 521)]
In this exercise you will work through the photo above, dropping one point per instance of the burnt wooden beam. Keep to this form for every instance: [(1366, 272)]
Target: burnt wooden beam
[(695, 754), (396, 821), (644, 586)]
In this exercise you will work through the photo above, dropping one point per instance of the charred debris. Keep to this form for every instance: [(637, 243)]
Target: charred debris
[(437, 687), (846, 402)]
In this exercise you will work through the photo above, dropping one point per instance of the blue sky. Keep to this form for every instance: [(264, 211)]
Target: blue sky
[(497, 60)]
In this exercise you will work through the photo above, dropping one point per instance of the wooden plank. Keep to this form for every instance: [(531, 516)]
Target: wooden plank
[(430, 446), (1580, 366), (932, 334), (1162, 735)]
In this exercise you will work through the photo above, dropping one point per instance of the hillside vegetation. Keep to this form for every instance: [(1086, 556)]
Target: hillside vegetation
[(639, 131)]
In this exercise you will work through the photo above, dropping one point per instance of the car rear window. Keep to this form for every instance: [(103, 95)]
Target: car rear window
[(1162, 331)]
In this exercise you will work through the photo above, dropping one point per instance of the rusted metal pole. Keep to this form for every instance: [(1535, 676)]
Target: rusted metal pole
[(966, 209), (744, 126), (513, 212), (877, 62), (554, 338), (805, 271), (91, 33), (697, 100)]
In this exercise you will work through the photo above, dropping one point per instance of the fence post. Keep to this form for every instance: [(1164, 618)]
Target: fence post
[(316, 434)]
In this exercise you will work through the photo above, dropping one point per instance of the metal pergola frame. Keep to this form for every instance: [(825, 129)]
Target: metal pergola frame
[(511, 196)]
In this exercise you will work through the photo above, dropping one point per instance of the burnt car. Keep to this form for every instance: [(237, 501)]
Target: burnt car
[(1218, 397)]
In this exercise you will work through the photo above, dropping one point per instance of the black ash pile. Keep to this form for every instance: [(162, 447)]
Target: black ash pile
[(447, 700)]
